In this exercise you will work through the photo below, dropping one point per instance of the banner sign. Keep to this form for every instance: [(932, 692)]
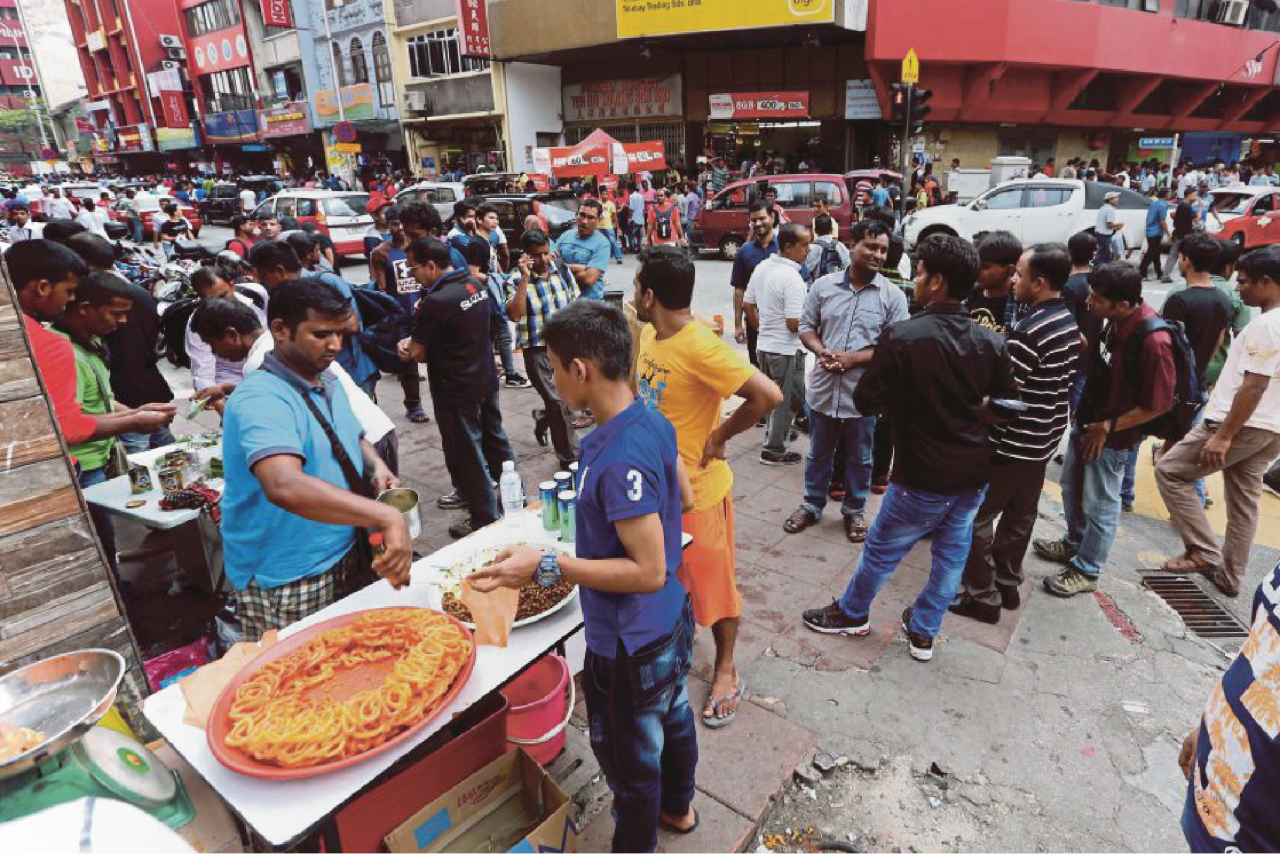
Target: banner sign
[(618, 99), (1157, 142), (760, 105), (134, 138), (860, 101), (473, 29), (276, 13), (286, 120), (177, 139), (84, 125), (219, 51), (639, 156), (164, 80), (231, 126), (174, 107), (647, 18), (357, 104), (613, 158)]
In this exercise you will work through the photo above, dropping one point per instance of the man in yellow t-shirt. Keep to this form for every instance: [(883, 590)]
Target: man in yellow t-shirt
[(608, 218), (685, 371)]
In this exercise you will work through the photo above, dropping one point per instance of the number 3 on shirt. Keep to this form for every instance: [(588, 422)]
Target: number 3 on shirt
[(637, 485)]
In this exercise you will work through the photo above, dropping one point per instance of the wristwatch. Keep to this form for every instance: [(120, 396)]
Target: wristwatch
[(548, 572)]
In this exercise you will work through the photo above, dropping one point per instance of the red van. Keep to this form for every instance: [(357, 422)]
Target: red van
[(722, 222)]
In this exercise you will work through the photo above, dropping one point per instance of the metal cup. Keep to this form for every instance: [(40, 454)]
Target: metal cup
[(405, 500)]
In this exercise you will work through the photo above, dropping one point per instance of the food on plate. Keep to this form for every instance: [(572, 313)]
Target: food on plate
[(16, 740), (534, 600), (288, 713)]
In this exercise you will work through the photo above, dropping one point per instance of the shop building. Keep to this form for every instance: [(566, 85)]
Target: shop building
[(719, 78), (1116, 80), (281, 55), (20, 89)]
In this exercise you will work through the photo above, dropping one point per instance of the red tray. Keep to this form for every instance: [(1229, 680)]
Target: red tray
[(241, 762)]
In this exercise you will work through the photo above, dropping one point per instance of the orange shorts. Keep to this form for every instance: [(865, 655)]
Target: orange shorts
[(708, 570)]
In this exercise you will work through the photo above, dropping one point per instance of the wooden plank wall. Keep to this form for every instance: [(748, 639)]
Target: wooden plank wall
[(56, 592)]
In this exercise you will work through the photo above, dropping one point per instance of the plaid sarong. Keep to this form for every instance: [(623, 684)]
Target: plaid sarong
[(263, 608)]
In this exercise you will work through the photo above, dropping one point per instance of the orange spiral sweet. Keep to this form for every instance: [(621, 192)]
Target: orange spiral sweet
[(273, 721)]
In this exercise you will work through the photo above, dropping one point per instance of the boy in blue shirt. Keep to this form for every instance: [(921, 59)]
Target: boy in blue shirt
[(639, 625), (1157, 231)]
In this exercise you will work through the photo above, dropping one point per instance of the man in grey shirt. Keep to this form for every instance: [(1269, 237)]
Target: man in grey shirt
[(844, 316)]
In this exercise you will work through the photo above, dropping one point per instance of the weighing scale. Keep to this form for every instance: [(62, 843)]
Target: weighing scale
[(63, 697)]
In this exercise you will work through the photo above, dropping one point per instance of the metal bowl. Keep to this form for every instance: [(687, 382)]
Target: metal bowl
[(62, 697)]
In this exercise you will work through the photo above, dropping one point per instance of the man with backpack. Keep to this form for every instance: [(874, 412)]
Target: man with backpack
[(1135, 375), (1239, 436), (827, 255), (242, 236), (665, 228)]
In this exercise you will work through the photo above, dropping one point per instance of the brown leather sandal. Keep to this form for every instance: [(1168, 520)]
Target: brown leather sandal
[(799, 520)]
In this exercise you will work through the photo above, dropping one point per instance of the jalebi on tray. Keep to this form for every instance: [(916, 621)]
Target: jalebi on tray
[(282, 716)]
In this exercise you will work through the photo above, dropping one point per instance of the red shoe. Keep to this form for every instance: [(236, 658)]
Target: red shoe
[(880, 485)]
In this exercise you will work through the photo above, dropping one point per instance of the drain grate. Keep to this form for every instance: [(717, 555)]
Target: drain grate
[(1198, 610)]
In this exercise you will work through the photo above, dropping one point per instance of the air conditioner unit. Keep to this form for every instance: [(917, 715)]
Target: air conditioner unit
[(1233, 12), (175, 53), (167, 64), (171, 41), (416, 101)]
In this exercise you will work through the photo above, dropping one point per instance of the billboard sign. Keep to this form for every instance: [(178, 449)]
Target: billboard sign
[(638, 18), (357, 104), (623, 99), (177, 139), (276, 13), (473, 29), (759, 105), (860, 101), (286, 120), (232, 126)]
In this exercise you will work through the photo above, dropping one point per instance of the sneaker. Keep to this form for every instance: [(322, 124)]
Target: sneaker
[(458, 530), (832, 621), (1070, 582), (516, 381), (967, 606), (452, 501), (920, 645), (880, 485), (1010, 598), (779, 458), (1054, 550)]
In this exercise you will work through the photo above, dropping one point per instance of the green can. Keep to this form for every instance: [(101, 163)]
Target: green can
[(550, 506), (568, 501)]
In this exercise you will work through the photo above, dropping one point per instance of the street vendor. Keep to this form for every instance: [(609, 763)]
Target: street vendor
[(632, 488), (300, 474)]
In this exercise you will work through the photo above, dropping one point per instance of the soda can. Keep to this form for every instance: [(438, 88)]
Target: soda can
[(171, 479), (573, 473), (563, 480), (140, 479), (550, 509), (568, 500)]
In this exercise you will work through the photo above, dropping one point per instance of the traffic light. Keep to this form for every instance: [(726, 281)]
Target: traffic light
[(897, 103), (918, 109)]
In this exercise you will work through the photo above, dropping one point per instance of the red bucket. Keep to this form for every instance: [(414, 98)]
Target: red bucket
[(538, 710)]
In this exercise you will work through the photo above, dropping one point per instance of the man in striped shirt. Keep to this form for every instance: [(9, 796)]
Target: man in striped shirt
[(1043, 347)]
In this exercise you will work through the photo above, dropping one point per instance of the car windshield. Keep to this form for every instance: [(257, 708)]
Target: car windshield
[(349, 205), (557, 214), (1231, 202), (555, 207)]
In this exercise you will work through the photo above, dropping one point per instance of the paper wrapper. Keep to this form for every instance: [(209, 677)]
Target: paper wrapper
[(202, 688), (493, 614)]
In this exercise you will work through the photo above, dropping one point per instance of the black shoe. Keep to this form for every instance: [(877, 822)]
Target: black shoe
[(802, 424), (760, 423), (514, 380), (832, 621), (780, 458), (458, 530), (969, 607), (921, 646), (1271, 481), (452, 501), (1010, 598)]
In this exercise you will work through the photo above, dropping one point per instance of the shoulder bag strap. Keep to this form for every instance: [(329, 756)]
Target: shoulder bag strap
[(355, 481)]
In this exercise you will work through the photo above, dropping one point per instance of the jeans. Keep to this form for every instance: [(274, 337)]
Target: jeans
[(135, 228), (787, 370), (101, 518), (1171, 260), (1152, 255), (559, 419), (135, 443), (613, 242), (1091, 499), (167, 247), (1129, 484), (500, 334), (906, 515), (475, 446), (1106, 250), (635, 235), (824, 432), (642, 732)]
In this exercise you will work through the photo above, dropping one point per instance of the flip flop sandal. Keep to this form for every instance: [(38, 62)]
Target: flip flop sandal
[(417, 415), (715, 722), (675, 828)]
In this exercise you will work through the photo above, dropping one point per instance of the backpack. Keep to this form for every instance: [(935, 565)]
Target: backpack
[(383, 326), (662, 222), (173, 330), (238, 246), (829, 262), (1188, 396)]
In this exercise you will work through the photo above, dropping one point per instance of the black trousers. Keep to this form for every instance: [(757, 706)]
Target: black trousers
[(559, 419), (882, 449), (998, 548), (475, 447), (1151, 256)]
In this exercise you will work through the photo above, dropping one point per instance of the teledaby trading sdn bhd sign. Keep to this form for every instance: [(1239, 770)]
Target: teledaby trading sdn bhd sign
[(669, 17)]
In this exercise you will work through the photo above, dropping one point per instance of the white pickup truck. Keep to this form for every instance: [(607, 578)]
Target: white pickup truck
[(1037, 210)]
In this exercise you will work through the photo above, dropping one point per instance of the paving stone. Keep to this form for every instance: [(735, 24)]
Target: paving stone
[(811, 559), (774, 600), (997, 636), (719, 829)]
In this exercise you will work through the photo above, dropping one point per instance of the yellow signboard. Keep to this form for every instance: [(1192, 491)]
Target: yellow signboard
[(911, 67), (347, 147), (670, 17)]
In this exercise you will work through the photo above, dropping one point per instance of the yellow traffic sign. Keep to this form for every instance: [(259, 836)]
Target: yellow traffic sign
[(911, 67)]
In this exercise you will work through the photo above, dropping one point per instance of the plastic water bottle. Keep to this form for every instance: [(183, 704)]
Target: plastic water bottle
[(512, 492)]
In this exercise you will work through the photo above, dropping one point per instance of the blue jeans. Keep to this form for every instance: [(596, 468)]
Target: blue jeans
[(905, 516), (642, 732), (135, 443), (1128, 485), (613, 242), (1091, 499), (100, 516), (500, 335), (859, 440), (135, 228)]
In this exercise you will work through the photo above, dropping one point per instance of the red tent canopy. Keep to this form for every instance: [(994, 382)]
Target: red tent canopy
[(600, 154)]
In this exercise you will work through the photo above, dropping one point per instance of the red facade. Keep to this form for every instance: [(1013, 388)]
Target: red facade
[(1075, 64)]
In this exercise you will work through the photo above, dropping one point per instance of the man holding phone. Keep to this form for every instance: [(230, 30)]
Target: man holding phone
[(1043, 349)]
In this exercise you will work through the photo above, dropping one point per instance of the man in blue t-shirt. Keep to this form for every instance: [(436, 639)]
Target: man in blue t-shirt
[(1157, 231), (1232, 759), (631, 491), (763, 243), (586, 251)]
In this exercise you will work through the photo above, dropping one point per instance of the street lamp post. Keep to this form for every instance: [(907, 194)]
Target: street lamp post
[(333, 57)]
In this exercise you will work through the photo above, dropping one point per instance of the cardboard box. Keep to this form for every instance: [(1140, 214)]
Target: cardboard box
[(509, 805)]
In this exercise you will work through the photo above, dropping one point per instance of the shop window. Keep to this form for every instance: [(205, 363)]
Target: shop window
[(1047, 197), (359, 68), (382, 70)]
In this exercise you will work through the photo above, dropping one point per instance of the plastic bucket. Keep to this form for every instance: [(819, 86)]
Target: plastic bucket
[(539, 711)]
